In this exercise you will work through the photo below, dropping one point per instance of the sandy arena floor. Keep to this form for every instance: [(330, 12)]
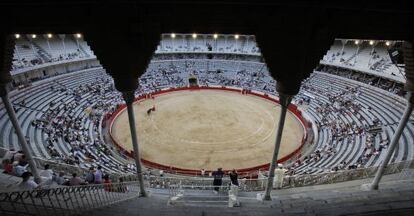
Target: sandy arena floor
[(208, 129)]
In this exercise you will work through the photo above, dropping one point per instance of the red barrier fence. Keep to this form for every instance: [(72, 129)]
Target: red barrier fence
[(292, 108)]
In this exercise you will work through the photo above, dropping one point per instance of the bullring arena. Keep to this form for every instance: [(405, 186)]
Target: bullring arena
[(207, 129)]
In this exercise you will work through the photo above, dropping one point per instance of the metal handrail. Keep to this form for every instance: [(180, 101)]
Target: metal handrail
[(66, 200), (288, 181)]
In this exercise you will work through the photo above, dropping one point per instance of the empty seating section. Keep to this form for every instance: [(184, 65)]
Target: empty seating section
[(25, 55), (364, 57), (35, 51), (244, 44)]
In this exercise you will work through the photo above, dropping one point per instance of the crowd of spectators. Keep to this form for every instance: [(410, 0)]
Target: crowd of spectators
[(15, 163), (62, 123)]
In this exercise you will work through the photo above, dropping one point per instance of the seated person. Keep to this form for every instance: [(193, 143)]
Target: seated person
[(27, 183)]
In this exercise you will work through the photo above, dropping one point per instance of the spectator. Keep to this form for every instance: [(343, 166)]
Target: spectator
[(107, 183), (218, 176), (90, 176), (10, 155), (234, 177), (18, 156), (27, 183), (7, 166), (98, 175), (47, 173), (279, 175), (75, 180), (21, 168), (60, 179)]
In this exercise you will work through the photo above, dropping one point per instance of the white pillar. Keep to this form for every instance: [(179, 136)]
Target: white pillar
[(18, 52), (356, 54), (48, 45), (247, 42)]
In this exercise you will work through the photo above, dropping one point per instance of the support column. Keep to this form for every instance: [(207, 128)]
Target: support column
[(284, 103), (18, 129), (408, 47), (129, 99), (394, 142)]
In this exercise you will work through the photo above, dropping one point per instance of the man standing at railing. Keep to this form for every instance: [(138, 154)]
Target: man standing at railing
[(234, 177), (279, 175), (218, 176)]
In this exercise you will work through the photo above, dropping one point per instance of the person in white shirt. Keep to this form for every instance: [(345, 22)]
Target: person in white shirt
[(279, 175), (27, 183), (47, 173), (21, 168)]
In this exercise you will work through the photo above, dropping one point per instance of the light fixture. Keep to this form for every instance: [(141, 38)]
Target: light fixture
[(236, 36), (34, 36), (356, 42), (17, 36), (49, 35), (387, 43), (194, 35), (215, 36), (371, 42), (172, 35), (78, 35)]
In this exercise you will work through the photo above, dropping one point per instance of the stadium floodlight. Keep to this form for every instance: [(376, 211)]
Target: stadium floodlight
[(356, 42), (34, 36), (172, 35), (78, 35), (194, 35), (236, 36), (49, 35), (371, 42), (387, 43), (17, 36), (215, 36)]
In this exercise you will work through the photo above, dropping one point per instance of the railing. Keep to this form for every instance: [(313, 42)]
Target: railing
[(59, 166), (206, 183), (78, 199), (66, 200), (345, 175), (289, 181)]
